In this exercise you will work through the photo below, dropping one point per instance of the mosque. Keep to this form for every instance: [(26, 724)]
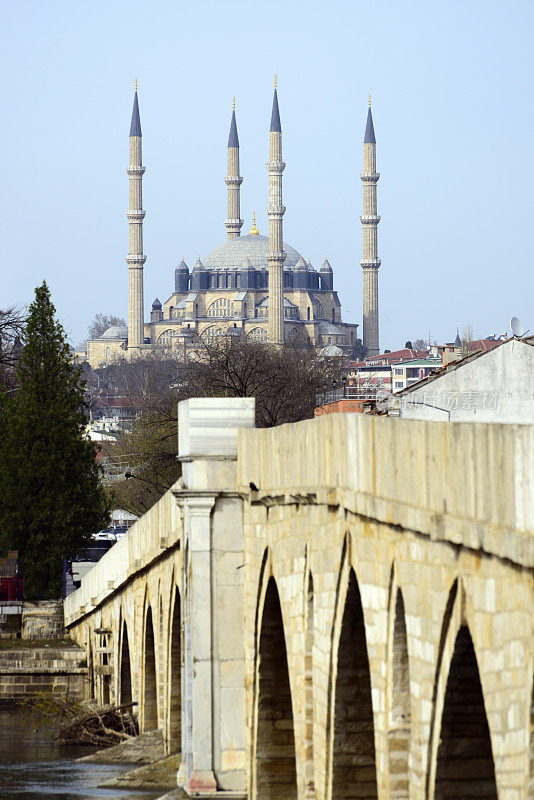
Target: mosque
[(253, 285)]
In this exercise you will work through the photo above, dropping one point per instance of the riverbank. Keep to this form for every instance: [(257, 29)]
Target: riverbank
[(152, 770)]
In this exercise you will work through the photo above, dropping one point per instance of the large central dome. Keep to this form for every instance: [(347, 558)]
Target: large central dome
[(233, 253)]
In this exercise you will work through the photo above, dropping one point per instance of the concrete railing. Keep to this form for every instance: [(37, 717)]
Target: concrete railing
[(472, 484), (157, 530)]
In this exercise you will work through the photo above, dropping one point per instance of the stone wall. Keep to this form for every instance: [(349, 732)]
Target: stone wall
[(42, 619), (60, 670)]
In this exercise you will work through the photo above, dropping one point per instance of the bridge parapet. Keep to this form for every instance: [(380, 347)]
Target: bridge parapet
[(472, 485), (157, 530)]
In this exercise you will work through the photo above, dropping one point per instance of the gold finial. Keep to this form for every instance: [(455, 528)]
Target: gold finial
[(275, 81), (233, 104), (135, 84), (254, 230), (369, 99)]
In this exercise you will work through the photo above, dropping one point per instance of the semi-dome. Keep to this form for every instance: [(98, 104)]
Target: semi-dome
[(232, 254), (116, 332), (331, 350), (328, 329)]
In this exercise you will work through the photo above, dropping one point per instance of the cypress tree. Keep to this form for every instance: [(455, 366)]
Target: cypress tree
[(51, 499)]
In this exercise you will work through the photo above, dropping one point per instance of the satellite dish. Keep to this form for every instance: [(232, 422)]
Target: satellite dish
[(517, 327)]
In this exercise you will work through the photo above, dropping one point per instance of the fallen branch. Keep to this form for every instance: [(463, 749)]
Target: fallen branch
[(73, 723)]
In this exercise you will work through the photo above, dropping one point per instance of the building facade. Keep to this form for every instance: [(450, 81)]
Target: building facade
[(252, 285)]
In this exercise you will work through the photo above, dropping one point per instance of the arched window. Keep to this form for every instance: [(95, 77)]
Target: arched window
[(308, 312), (333, 315), (317, 309), (221, 308), (108, 353), (209, 334), (292, 335), (165, 338), (258, 335)]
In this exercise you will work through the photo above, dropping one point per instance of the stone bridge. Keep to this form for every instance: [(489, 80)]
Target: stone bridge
[(339, 608)]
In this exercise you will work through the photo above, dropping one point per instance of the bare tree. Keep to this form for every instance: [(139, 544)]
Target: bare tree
[(467, 333), (284, 381), (101, 323), (420, 344), (12, 322)]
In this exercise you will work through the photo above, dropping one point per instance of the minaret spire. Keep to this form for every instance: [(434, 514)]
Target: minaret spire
[(233, 181), (370, 219), (275, 211), (135, 258)]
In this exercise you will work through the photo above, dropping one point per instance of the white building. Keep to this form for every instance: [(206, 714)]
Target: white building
[(492, 386)]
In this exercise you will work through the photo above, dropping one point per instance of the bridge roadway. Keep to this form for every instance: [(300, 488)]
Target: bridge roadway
[(339, 608)]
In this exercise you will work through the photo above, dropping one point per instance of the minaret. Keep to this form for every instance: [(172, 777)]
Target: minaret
[(233, 181), (135, 258), (370, 219), (275, 211)]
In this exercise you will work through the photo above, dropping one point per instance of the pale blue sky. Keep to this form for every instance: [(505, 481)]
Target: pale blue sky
[(452, 85)]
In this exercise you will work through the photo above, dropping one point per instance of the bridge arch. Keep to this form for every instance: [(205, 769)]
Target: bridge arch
[(274, 773), (460, 749), (90, 664), (530, 790), (309, 633), (353, 740), (149, 717), (125, 671), (174, 671), (399, 714), (351, 736), (161, 653)]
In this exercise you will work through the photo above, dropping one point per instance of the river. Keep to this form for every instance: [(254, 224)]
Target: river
[(33, 767)]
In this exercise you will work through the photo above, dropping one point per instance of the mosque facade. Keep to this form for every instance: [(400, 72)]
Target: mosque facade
[(251, 285)]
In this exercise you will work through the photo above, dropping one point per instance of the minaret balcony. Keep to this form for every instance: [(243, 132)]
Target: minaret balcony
[(136, 170), (135, 259), (136, 214), (276, 167), (276, 211), (370, 219), (233, 223), (233, 180), (370, 263), (370, 177), (278, 257)]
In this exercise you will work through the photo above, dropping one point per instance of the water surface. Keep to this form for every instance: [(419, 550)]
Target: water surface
[(33, 767)]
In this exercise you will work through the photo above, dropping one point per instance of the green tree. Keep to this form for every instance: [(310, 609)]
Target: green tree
[(51, 499)]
